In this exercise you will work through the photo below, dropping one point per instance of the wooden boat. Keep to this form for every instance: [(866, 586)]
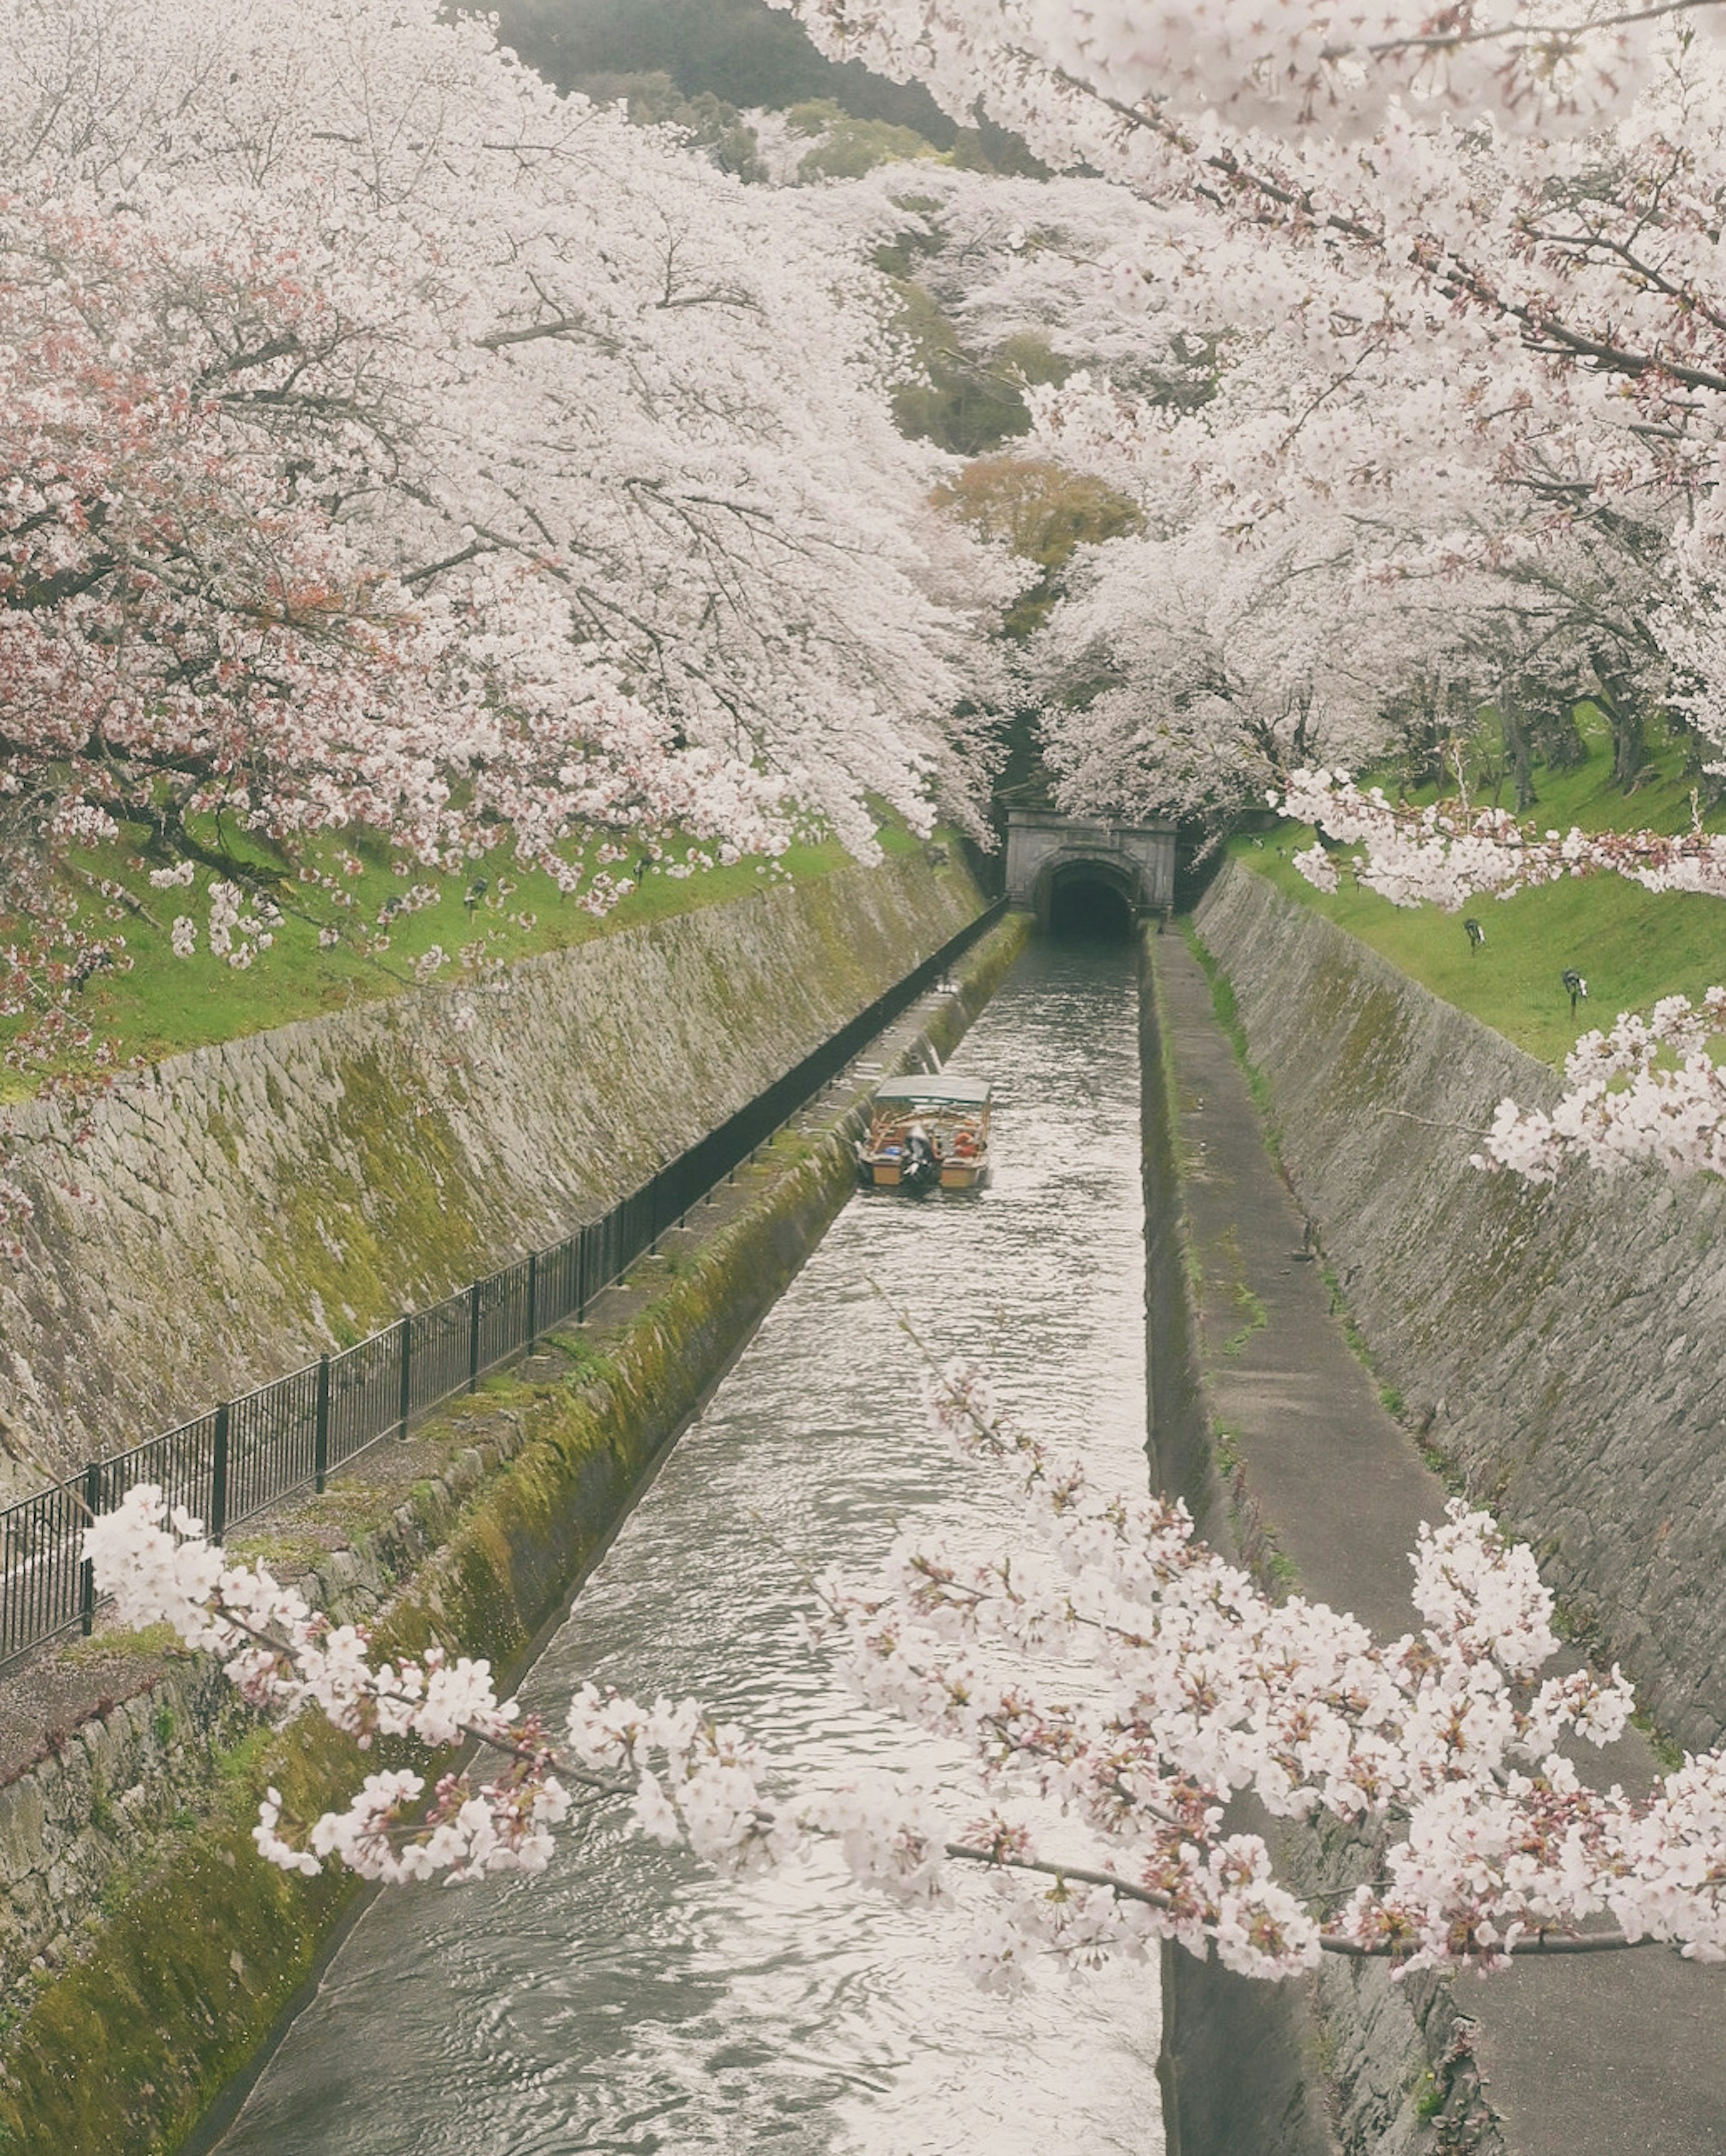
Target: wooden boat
[(927, 1132)]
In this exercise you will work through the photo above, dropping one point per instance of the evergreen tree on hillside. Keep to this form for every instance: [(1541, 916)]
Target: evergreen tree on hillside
[(740, 51)]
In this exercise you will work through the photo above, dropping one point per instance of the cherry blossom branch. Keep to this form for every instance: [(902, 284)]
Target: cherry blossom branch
[(1644, 1092), (1550, 36), (1445, 855), (1540, 1944), (1191, 1688)]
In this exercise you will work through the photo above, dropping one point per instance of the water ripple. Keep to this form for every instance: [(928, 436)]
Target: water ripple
[(627, 2002)]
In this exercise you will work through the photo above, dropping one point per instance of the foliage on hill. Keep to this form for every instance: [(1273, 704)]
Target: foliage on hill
[(739, 51)]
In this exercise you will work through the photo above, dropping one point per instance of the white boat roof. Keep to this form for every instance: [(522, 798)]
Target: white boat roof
[(934, 1092)]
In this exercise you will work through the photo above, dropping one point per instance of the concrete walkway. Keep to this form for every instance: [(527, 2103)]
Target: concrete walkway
[(1627, 2053)]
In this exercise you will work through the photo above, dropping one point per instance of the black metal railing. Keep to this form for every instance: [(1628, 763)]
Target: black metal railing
[(228, 1465)]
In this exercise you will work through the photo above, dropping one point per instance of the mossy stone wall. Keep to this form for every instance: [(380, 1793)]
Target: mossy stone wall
[(1559, 1347), (201, 1946), (254, 1203)]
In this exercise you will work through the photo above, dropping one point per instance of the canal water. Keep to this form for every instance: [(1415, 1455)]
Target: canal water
[(627, 2001)]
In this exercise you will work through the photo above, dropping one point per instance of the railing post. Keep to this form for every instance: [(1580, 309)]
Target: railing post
[(320, 1428), (406, 1401), (87, 1571), (473, 1338), (219, 1477), (533, 1299)]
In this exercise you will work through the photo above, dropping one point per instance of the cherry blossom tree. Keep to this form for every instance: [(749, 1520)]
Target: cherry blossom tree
[(1117, 1687), (437, 454), (1553, 259)]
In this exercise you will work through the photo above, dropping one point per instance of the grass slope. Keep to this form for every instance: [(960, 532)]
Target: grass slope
[(1628, 944), (165, 1004)]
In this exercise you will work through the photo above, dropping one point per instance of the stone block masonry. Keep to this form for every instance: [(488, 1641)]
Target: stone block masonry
[(1497, 1319), (1561, 1347), (256, 1203)]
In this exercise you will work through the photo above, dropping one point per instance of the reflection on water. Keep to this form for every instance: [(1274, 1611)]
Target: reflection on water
[(628, 2001)]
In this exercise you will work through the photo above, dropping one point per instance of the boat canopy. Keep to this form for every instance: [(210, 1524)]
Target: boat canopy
[(932, 1092)]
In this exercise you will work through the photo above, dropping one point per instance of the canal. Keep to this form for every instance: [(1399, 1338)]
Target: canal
[(628, 2001)]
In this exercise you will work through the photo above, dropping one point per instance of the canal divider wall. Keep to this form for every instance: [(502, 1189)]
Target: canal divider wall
[(1267, 1426), (174, 1950), (251, 1204)]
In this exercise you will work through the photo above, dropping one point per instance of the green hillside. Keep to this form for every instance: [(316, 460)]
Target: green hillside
[(163, 1004), (1629, 945)]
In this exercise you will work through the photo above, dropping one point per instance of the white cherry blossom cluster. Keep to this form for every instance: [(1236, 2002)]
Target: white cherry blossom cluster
[(1114, 1685), (160, 1568), (1644, 1091), (1447, 854)]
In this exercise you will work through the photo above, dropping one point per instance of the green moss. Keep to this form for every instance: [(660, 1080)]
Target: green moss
[(1228, 1017), (339, 1229), (1255, 1317), (1668, 1752), (125, 2050), (1281, 1571), (102, 1814), (147, 1646)]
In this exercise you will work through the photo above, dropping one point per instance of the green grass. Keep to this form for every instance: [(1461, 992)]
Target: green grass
[(163, 1004), (1629, 945)]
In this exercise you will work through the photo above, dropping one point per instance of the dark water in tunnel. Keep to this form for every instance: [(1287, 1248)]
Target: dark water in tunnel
[(1086, 910), (628, 2001)]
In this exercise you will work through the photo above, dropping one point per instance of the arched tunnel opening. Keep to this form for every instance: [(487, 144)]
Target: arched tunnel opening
[(1084, 906)]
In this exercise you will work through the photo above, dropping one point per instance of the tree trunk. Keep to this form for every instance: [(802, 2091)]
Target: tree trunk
[(1513, 724), (1629, 745)]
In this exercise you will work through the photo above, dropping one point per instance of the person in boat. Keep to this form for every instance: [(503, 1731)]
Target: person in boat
[(919, 1154), (964, 1144)]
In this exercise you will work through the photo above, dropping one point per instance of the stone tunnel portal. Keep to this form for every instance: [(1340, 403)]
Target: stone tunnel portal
[(1088, 879)]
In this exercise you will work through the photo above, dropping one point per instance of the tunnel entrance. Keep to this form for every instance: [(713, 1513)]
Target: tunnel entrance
[(1087, 905)]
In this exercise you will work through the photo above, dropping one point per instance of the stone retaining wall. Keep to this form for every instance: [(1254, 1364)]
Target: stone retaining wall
[(1560, 1347), (256, 1203)]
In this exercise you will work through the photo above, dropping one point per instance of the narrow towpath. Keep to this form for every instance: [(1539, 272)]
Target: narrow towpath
[(1597, 2058)]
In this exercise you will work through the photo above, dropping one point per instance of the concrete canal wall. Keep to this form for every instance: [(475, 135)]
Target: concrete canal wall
[(254, 1203), (1559, 1348)]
